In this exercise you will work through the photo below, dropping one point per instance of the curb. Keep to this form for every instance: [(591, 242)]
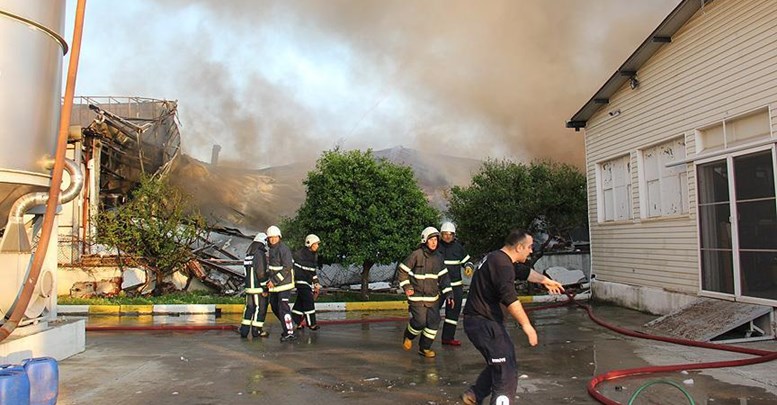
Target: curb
[(168, 309)]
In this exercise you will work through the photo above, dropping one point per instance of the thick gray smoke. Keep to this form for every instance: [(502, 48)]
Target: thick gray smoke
[(279, 81)]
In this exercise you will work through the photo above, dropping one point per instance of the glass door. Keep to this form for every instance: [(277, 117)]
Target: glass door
[(737, 209)]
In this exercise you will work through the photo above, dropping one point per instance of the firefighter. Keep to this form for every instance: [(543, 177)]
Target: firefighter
[(255, 312), (455, 258), (281, 282), (306, 280), (424, 279)]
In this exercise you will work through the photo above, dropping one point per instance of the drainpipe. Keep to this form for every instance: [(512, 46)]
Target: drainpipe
[(20, 306)]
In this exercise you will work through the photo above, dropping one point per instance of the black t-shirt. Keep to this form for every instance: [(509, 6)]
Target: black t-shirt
[(493, 284)]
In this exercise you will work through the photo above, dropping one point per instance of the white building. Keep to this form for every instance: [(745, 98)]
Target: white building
[(681, 161)]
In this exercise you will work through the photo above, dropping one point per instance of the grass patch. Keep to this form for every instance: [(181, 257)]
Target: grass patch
[(202, 297)]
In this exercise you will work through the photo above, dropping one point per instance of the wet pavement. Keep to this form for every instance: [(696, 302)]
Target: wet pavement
[(363, 363)]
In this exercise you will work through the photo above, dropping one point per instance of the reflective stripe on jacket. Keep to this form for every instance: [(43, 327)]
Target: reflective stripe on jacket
[(424, 272)]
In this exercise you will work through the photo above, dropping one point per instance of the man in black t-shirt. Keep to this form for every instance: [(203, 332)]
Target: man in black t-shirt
[(493, 286)]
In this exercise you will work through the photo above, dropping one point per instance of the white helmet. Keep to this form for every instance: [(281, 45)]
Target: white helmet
[(261, 237), (429, 232), (448, 227), (273, 231), (311, 240)]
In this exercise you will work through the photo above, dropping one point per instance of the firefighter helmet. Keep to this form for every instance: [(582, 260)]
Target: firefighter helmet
[(261, 237), (273, 231), (311, 240), (429, 232), (448, 227)]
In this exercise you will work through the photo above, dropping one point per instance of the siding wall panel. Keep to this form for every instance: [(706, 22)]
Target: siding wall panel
[(719, 64)]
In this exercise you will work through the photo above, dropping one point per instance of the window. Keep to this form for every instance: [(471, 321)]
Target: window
[(663, 190), (615, 189), (735, 131)]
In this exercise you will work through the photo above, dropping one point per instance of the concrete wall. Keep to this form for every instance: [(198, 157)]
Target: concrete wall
[(719, 64)]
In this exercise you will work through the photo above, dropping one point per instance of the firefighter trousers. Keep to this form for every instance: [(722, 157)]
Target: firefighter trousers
[(500, 377), (452, 314), (304, 306), (254, 315), (280, 307), (424, 321)]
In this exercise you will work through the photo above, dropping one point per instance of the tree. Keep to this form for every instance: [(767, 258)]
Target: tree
[(365, 211), (540, 197), (155, 228)]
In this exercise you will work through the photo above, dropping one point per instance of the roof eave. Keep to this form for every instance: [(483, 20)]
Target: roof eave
[(660, 36)]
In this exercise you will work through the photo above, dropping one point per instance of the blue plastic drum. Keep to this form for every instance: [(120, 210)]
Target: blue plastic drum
[(43, 373), (14, 386)]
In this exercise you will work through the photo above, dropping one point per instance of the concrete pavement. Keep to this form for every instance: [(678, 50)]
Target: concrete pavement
[(363, 363)]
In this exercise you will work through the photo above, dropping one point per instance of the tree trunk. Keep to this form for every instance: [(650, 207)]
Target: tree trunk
[(366, 280), (158, 287)]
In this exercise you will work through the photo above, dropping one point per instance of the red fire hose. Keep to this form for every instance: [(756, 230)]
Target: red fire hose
[(762, 355)]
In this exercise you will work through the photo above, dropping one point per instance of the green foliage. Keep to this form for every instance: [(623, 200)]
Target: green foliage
[(156, 227), (504, 195), (365, 211)]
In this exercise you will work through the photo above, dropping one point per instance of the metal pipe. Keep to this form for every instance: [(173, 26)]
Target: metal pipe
[(56, 180)]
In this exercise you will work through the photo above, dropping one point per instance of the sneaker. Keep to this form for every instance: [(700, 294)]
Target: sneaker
[(264, 334), (428, 353), (289, 338), (469, 398), (407, 344), (315, 327), (451, 342)]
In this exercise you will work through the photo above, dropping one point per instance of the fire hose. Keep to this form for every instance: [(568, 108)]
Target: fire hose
[(762, 356)]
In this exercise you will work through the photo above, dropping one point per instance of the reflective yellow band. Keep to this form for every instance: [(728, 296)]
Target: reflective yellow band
[(424, 299)]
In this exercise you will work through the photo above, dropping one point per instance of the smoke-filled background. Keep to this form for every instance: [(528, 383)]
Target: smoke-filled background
[(277, 81)]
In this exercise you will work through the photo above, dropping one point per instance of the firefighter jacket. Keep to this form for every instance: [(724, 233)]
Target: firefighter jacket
[(454, 258), (280, 264), (255, 263), (424, 272), (305, 262)]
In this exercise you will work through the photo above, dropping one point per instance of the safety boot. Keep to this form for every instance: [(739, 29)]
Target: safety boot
[(451, 342), (428, 353), (407, 344)]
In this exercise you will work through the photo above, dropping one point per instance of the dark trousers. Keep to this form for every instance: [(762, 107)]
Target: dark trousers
[(280, 307), (304, 306), (500, 377), (424, 321), (452, 314), (254, 315)]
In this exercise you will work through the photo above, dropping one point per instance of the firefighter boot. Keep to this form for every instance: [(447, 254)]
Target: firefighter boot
[(407, 344), (428, 353), (244, 331), (451, 342)]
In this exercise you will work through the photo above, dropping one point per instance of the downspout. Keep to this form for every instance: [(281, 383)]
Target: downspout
[(56, 180)]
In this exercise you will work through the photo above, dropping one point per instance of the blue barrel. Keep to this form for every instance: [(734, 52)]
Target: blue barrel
[(14, 386), (43, 373)]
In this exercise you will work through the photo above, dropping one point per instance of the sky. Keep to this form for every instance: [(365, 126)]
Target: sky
[(278, 81)]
